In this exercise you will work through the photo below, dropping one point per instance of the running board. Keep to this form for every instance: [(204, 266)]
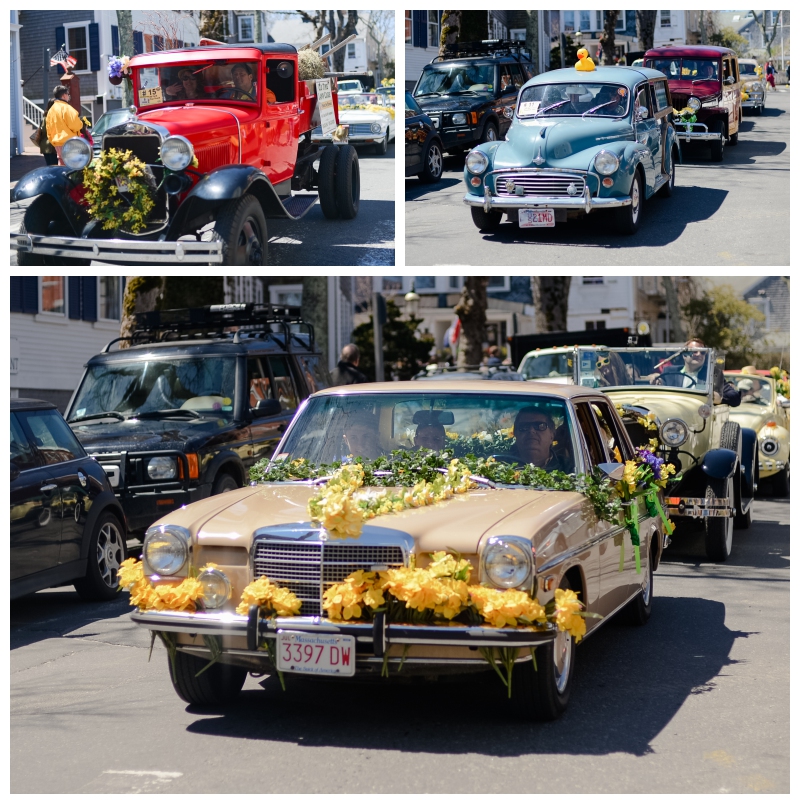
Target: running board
[(296, 206)]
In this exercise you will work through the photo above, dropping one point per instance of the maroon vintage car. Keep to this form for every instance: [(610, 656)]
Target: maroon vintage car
[(706, 79), (225, 132)]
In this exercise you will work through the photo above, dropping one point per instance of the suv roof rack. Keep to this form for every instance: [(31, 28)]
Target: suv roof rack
[(212, 321), (487, 47)]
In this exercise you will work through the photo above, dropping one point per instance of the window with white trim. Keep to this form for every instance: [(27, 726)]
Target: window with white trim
[(569, 21), (433, 29), (424, 283), (498, 283), (666, 19), (585, 22), (53, 295), (351, 50), (392, 283), (592, 280), (286, 295), (598, 18), (621, 25), (109, 297), (409, 27), (77, 35), (246, 28)]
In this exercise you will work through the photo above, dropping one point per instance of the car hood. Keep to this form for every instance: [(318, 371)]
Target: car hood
[(665, 404), (198, 121), (700, 90), (362, 116), (453, 103), (754, 416), (145, 434)]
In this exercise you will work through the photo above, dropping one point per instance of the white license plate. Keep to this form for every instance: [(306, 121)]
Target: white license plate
[(318, 654), (529, 218)]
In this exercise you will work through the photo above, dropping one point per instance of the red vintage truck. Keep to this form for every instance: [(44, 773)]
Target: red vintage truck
[(225, 134)]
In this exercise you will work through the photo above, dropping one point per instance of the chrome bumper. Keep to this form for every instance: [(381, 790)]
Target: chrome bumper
[(769, 465), (584, 202), (695, 136), (752, 103), (157, 251), (699, 507), (353, 139)]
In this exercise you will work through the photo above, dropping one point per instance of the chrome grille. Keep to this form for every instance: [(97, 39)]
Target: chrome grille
[(308, 568), (360, 128), (539, 184)]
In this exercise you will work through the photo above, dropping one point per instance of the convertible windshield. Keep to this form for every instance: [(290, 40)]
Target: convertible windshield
[(526, 428), (361, 100), (448, 78), (754, 390), (539, 367), (687, 369), (686, 69), (556, 100), (195, 385)]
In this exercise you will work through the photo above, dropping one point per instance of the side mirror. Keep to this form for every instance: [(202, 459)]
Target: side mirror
[(266, 407), (613, 471), (784, 403), (508, 112), (642, 112), (14, 471), (730, 80)]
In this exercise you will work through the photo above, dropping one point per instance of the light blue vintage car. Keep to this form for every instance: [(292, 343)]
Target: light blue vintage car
[(579, 141)]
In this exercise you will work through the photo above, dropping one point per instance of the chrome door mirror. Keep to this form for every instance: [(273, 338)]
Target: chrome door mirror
[(613, 471), (730, 80), (508, 112), (642, 112)]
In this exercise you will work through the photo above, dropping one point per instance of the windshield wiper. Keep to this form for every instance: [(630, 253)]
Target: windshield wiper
[(424, 94), (607, 103), (157, 414), (548, 108), (465, 92), (106, 414)]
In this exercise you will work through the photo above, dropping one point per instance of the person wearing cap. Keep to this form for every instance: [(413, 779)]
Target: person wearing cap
[(750, 389), (187, 87), (579, 100)]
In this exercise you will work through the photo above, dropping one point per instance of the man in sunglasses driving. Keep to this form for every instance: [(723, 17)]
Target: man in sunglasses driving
[(534, 432), (694, 372)]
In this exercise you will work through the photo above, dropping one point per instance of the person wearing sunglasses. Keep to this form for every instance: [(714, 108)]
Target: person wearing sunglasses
[(610, 370), (694, 374), (534, 431), (187, 87)]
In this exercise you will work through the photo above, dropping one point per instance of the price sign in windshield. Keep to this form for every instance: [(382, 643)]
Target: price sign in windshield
[(150, 95)]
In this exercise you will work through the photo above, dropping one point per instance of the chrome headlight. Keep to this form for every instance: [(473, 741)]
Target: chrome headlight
[(693, 103), (507, 562), (216, 588), (162, 467), (166, 549), (375, 128), (674, 432), (476, 162), (459, 119), (76, 153), (605, 163), (176, 153), (769, 446)]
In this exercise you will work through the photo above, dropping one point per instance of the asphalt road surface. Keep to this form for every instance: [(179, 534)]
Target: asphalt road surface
[(721, 214), (695, 701), (368, 239)]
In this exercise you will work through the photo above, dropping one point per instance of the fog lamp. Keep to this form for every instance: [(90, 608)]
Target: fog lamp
[(216, 587)]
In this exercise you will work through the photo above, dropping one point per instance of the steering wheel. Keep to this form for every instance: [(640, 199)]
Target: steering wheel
[(506, 457)]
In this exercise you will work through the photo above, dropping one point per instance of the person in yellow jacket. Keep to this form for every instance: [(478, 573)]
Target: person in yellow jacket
[(63, 122)]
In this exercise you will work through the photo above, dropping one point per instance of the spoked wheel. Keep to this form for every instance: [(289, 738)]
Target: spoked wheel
[(629, 218), (107, 550), (719, 529), (242, 228), (217, 685), (433, 164)]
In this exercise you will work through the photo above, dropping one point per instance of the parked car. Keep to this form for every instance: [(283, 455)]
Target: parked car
[(423, 144), (514, 536), (190, 406), (388, 93), (66, 525), (370, 117), (765, 412), (580, 141), (754, 85), (351, 85), (465, 93), (706, 80), (224, 132), (714, 455)]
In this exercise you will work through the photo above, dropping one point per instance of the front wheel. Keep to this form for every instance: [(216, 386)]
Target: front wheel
[(489, 133), (733, 139), (242, 228), (107, 550), (217, 685), (629, 218), (348, 182), (486, 221), (432, 163), (223, 483), (383, 145), (718, 146), (719, 529), (327, 181)]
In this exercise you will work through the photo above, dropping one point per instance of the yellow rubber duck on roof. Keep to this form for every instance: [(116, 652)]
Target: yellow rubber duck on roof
[(585, 64)]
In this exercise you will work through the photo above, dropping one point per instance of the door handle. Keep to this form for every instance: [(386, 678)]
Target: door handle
[(48, 487)]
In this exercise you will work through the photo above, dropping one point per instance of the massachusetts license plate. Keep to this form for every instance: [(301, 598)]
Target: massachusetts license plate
[(529, 218), (322, 654)]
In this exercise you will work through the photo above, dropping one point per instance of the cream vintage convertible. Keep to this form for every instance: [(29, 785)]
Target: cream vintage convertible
[(336, 571)]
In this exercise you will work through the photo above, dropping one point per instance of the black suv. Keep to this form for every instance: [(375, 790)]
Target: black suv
[(66, 524), (186, 410), (467, 92)]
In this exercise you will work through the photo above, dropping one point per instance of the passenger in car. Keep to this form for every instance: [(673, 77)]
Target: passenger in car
[(430, 436), (534, 431), (362, 436)]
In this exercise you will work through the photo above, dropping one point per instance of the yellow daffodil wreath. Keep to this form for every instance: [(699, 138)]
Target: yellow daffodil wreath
[(106, 202), (165, 597)]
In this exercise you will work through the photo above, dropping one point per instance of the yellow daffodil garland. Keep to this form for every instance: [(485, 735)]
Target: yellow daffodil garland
[(164, 597), (273, 600)]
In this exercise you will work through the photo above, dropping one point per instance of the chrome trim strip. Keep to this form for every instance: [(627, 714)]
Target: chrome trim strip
[(531, 202)]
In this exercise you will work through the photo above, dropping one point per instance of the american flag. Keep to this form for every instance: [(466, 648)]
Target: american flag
[(63, 59)]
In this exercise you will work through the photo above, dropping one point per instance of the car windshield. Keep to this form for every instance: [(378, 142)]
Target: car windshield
[(197, 385), (445, 78), (676, 368), (207, 81), (556, 100), (332, 428), (754, 390), (747, 69), (686, 69), (109, 120), (361, 100), (538, 367)]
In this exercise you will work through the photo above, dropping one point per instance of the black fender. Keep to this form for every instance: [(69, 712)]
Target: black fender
[(217, 188), (105, 502), (749, 449), (228, 460), (55, 182), (491, 118), (720, 463)]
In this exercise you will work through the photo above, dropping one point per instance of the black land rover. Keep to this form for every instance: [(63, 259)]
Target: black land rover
[(467, 92), (186, 410)]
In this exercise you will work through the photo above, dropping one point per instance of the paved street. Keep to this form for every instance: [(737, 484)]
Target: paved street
[(733, 213), (696, 701), (366, 240)]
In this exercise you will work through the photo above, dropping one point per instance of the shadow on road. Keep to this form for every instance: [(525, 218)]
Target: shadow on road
[(416, 189), (745, 153)]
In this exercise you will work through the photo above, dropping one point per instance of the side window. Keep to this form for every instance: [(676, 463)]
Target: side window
[(506, 79), (588, 425), (726, 69), (611, 432), (257, 382), (22, 453), (54, 441), (314, 371), (280, 80), (643, 101), (284, 387), (517, 77), (662, 96)]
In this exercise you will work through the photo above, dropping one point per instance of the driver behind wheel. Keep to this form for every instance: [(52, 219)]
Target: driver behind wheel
[(534, 432), (694, 372)]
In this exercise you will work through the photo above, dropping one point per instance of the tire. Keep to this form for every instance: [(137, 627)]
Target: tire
[(107, 550), (348, 182), (669, 188), (40, 214), (223, 482), (780, 482), (486, 221), (327, 181), (719, 530), (742, 521), (242, 228), (641, 607), (220, 684), (383, 146), (733, 139), (731, 438), (489, 133), (628, 219), (432, 163), (543, 693), (718, 147)]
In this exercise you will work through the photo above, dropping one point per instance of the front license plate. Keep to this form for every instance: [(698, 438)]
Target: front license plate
[(318, 654), (529, 218)]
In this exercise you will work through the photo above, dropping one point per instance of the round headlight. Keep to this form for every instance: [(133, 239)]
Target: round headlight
[(176, 153), (162, 468), (216, 588), (769, 446), (507, 563), (605, 163), (76, 153), (476, 162), (693, 103), (674, 432), (166, 548), (375, 128), (459, 119)]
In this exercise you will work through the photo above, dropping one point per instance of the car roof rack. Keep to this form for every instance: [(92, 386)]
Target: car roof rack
[(486, 47), (216, 321)]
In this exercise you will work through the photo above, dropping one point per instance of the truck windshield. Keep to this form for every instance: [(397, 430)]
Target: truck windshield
[(446, 78), (552, 366), (211, 80), (555, 100), (686, 69), (202, 386)]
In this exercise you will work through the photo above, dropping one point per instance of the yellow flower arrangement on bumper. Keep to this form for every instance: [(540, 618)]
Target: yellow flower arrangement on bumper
[(164, 597), (272, 599)]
